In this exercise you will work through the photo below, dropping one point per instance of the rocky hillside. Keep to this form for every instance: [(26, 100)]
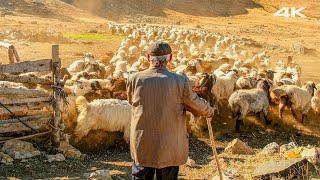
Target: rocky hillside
[(209, 8), (54, 9), (69, 10)]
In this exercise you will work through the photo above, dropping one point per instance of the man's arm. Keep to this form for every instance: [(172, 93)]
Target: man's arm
[(194, 103)]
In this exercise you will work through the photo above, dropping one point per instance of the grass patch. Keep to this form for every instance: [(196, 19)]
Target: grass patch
[(93, 36)]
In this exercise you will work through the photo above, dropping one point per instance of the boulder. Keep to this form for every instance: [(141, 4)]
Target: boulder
[(312, 155), (271, 149), (293, 153), (191, 163), (68, 150), (20, 149), (103, 174), (5, 159), (57, 158), (238, 147), (285, 147), (71, 152)]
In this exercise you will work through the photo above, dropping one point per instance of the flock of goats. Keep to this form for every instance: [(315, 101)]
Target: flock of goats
[(218, 67)]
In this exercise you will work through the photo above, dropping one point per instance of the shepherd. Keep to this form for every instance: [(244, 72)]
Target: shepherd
[(159, 99)]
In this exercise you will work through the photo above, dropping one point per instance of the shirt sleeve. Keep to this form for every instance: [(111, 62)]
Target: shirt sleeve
[(194, 103), (129, 90)]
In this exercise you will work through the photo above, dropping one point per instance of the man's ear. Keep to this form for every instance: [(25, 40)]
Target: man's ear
[(148, 57)]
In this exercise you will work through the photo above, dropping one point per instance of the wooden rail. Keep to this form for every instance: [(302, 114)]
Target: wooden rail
[(27, 66), (24, 79)]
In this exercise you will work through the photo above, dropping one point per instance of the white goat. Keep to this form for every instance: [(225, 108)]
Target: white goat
[(111, 115), (243, 102)]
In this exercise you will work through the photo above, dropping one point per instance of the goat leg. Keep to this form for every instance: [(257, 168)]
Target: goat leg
[(281, 109), (264, 118), (294, 113), (304, 117), (239, 122)]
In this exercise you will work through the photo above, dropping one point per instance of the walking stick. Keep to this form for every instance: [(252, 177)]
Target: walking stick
[(214, 149)]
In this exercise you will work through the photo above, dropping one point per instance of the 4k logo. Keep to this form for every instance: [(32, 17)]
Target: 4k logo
[(290, 12)]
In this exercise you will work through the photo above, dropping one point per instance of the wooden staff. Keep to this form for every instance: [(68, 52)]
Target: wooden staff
[(214, 149)]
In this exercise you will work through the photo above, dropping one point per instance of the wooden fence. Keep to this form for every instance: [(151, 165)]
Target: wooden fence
[(23, 105), (12, 52)]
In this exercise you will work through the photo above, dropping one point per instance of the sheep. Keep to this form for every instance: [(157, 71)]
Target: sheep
[(95, 68), (203, 90), (221, 71), (315, 101), (267, 74), (310, 87), (243, 102), (76, 66), (133, 50), (246, 83), (118, 88), (69, 113), (110, 115), (295, 98), (224, 86)]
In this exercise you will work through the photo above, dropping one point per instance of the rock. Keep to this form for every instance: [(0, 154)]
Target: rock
[(271, 149), (312, 155), (293, 153), (20, 149), (191, 163), (72, 152), (230, 174), (57, 157), (284, 148), (238, 147), (68, 150), (298, 48), (103, 174), (5, 159), (296, 168)]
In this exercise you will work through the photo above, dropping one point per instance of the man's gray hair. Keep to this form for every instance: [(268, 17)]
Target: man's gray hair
[(163, 58)]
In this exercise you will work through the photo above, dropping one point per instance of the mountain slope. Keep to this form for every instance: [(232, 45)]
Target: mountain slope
[(54, 9)]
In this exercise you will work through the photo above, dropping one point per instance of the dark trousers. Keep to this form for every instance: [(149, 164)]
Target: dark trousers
[(146, 173)]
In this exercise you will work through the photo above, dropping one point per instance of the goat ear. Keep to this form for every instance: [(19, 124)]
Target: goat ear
[(214, 78), (148, 57)]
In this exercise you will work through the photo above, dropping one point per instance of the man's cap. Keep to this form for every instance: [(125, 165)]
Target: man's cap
[(159, 48)]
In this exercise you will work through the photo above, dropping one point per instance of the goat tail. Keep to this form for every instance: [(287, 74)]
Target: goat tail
[(81, 103)]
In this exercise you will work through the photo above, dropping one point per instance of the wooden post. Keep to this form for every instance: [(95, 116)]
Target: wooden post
[(56, 105), (16, 55), (11, 54)]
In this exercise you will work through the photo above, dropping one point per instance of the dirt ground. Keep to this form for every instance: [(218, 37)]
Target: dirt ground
[(247, 19)]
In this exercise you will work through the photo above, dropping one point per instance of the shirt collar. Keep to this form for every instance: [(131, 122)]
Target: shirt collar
[(157, 68)]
